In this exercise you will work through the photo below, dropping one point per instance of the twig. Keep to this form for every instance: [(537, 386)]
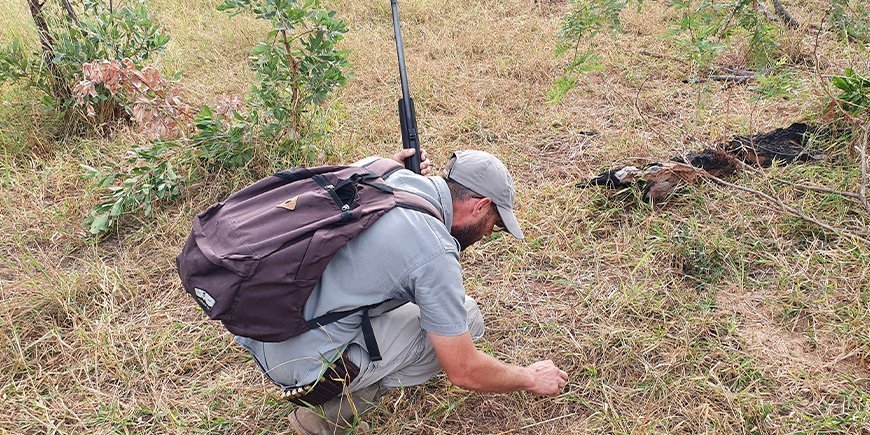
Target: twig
[(721, 33), (738, 78), (71, 13), (663, 56), (863, 152), (784, 207), (811, 187), (294, 64), (738, 71)]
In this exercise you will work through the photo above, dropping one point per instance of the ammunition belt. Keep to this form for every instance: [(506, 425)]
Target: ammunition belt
[(332, 384)]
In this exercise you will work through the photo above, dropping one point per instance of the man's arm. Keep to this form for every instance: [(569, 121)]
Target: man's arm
[(470, 368)]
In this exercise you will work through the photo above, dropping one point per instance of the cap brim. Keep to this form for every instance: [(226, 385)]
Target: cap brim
[(510, 222)]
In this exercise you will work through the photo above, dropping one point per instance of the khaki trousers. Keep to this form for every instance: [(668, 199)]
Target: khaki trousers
[(408, 359), (408, 355)]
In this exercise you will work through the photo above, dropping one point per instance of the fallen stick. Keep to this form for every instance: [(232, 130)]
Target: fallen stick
[(731, 77), (783, 14), (786, 208), (811, 187)]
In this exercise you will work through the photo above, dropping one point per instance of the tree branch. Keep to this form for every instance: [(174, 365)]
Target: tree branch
[(865, 238), (71, 13), (783, 14), (737, 78), (295, 67)]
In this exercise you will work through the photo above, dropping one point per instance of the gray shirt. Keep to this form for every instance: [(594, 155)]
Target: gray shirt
[(406, 255)]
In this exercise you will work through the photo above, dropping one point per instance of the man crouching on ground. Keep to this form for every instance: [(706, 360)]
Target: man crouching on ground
[(406, 256)]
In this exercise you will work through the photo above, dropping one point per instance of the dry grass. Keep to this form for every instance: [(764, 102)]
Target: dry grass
[(712, 314)]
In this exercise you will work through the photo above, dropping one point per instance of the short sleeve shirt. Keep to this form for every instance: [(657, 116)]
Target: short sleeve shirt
[(406, 255)]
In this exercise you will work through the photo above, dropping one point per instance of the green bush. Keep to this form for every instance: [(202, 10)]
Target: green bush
[(296, 68), (701, 29), (72, 38), (854, 91)]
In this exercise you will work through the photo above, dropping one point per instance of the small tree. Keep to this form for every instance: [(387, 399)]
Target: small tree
[(297, 66)]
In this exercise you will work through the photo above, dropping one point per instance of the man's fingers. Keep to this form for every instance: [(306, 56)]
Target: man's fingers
[(405, 153)]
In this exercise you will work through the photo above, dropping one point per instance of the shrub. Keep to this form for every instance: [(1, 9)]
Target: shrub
[(296, 68), (70, 40)]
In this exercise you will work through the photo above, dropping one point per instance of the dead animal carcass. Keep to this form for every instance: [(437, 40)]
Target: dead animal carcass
[(659, 179)]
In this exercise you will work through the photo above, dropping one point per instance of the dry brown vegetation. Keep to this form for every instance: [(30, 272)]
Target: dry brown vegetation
[(713, 314)]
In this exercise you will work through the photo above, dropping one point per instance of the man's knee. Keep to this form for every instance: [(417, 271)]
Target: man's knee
[(475, 318)]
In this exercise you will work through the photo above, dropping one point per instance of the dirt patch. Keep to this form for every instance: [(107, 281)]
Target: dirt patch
[(788, 351)]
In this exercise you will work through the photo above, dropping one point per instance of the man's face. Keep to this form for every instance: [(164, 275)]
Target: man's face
[(474, 231)]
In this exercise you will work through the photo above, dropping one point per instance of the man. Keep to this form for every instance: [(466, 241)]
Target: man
[(407, 255)]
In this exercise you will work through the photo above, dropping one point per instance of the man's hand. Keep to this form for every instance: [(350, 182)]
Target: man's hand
[(549, 380), (408, 152), (470, 368)]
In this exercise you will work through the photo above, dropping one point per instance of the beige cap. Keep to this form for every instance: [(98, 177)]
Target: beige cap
[(487, 176)]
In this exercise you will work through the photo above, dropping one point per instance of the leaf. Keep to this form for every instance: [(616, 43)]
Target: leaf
[(561, 86), (100, 224), (91, 171)]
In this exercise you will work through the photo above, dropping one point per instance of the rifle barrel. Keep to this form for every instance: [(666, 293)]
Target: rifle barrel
[(407, 115), (403, 74)]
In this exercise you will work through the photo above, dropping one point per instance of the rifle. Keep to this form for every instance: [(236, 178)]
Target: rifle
[(407, 115)]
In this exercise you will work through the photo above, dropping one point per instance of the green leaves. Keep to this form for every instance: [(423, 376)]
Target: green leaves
[(585, 19), (581, 64), (297, 68), (851, 19), (588, 17), (150, 179), (780, 82), (854, 91), (101, 32), (221, 142), (14, 63)]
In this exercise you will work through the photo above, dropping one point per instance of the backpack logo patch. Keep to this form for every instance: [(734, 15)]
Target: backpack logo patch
[(204, 298), (290, 204)]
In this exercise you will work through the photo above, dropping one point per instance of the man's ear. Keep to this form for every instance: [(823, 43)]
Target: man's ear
[(482, 206)]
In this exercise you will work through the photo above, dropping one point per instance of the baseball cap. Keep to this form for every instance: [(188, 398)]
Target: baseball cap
[(487, 176)]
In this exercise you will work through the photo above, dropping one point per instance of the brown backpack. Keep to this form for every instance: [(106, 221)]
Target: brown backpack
[(253, 259)]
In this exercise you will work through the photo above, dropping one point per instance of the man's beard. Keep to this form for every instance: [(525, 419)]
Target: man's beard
[(468, 235)]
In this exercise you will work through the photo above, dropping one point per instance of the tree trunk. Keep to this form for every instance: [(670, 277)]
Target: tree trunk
[(59, 88), (70, 13)]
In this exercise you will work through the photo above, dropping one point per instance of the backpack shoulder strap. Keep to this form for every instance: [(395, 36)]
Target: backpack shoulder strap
[(413, 202), (384, 168)]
